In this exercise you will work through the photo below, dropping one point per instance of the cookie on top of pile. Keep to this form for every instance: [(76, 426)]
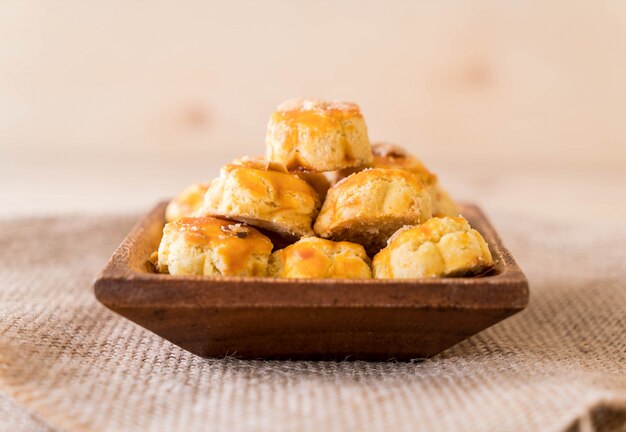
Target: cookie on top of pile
[(323, 203)]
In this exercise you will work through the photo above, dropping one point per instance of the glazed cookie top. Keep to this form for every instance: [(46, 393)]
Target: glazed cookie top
[(365, 178), (213, 231), (313, 257), (432, 230), (315, 114), (318, 106), (234, 243), (317, 181), (265, 179)]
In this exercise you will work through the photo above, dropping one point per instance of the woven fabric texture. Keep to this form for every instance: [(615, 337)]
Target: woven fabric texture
[(67, 363)]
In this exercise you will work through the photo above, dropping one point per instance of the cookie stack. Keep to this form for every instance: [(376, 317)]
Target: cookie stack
[(323, 203)]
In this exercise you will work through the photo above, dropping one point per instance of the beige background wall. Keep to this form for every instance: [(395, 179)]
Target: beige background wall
[(110, 105)]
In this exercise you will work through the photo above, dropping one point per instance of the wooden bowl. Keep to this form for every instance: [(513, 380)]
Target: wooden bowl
[(253, 317)]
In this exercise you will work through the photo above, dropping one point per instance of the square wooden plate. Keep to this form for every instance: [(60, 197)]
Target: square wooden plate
[(253, 317)]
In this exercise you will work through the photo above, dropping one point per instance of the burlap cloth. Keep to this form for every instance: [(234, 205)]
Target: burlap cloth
[(67, 363)]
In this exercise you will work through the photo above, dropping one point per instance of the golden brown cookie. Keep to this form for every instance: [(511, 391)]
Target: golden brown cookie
[(313, 257), (314, 136), (369, 206), (445, 246), (318, 181), (211, 247), (265, 195), (392, 156)]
